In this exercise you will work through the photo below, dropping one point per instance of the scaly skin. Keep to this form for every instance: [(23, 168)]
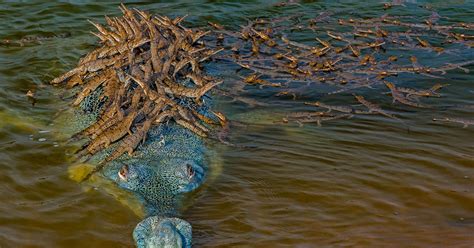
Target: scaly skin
[(169, 164), (159, 175), (163, 232)]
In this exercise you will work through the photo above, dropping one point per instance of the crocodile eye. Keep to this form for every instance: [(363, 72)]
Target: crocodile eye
[(190, 171), (123, 172)]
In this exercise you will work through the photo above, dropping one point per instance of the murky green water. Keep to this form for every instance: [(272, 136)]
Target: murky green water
[(361, 182)]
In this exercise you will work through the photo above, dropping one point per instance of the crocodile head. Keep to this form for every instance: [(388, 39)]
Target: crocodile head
[(153, 183), (159, 185), (162, 232)]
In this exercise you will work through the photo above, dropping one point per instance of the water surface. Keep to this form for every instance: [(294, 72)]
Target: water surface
[(365, 182)]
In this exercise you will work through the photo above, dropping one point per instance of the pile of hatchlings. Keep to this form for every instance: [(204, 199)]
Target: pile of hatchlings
[(148, 69), (146, 66)]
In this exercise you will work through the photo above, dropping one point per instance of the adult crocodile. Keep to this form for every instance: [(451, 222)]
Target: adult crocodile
[(142, 93), (172, 162)]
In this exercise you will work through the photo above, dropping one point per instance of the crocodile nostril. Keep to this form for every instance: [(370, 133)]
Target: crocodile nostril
[(123, 172)]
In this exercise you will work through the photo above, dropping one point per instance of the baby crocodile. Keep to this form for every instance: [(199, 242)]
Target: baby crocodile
[(319, 119), (431, 92), (373, 108), (399, 97), (38, 39), (465, 122), (342, 109)]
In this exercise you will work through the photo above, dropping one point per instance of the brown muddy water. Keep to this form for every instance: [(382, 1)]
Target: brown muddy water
[(364, 182)]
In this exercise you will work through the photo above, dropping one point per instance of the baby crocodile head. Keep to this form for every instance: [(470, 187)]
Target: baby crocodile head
[(155, 231), (156, 183)]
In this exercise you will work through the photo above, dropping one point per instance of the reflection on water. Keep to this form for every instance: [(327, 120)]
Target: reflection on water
[(361, 182)]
